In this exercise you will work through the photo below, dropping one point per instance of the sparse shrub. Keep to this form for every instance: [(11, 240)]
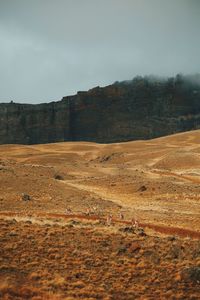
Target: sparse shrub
[(121, 250), (127, 229), (143, 188), (34, 276), (58, 282), (58, 177), (192, 273), (26, 197)]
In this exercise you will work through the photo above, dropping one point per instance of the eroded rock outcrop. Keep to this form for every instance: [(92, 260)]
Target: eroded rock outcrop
[(139, 109)]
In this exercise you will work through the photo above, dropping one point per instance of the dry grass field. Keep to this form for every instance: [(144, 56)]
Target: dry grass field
[(67, 217)]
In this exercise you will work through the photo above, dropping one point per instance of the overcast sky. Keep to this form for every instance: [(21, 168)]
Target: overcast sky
[(53, 48)]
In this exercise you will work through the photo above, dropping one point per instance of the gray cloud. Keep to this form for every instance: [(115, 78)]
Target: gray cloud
[(54, 48)]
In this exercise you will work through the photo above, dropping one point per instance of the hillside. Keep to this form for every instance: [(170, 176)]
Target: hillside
[(142, 108), (57, 241), (159, 176)]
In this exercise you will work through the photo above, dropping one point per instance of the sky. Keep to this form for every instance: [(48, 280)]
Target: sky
[(53, 48)]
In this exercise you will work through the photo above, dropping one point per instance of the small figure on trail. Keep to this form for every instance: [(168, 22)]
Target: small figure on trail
[(95, 210), (68, 211), (109, 220), (134, 223), (121, 216), (88, 211)]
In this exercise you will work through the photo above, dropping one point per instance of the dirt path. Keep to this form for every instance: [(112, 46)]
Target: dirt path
[(168, 230), (182, 177), (116, 198)]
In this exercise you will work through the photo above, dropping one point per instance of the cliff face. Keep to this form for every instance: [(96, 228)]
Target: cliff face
[(139, 109), (33, 124)]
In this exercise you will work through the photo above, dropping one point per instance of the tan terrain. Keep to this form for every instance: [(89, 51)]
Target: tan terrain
[(84, 253)]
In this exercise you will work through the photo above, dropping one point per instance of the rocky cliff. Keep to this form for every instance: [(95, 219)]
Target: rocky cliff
[(142, 108)]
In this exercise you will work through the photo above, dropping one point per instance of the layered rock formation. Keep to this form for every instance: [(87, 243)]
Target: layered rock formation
[(139, 109), (34, 124)]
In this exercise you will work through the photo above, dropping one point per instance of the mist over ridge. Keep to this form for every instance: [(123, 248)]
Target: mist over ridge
[(51, 49), (189, 81), (141, 108)]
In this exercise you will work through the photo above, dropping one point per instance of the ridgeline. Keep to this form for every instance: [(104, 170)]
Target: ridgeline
[(142, 108)]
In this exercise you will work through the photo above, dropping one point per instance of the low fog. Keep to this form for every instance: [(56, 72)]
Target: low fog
[(50, 48)]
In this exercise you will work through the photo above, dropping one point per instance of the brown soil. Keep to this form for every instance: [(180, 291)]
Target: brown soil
[(48, 254)]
